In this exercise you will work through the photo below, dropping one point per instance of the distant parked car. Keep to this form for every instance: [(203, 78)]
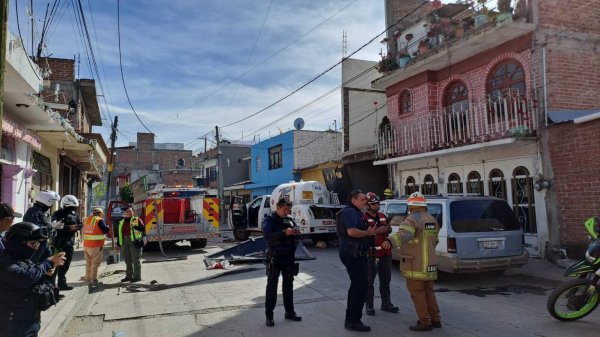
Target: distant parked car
[(477, 233)]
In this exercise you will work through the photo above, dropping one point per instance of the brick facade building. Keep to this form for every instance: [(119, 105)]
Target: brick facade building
[(472, 111)]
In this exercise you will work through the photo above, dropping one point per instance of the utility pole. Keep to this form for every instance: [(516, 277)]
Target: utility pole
[(220, 177), (3, 32), (111, 160)]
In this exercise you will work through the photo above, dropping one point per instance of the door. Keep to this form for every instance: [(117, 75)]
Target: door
[(524, 207)]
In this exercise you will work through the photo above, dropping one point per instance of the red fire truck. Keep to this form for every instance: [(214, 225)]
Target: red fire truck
[(173, 214)]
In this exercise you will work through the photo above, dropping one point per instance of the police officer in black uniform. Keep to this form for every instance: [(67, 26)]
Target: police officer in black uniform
[(280, 234), (65, 237), (19, 309), (38, 215), (355, 240)]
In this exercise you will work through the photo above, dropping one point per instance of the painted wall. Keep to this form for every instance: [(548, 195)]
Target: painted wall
[(315, 147), (264, 180)]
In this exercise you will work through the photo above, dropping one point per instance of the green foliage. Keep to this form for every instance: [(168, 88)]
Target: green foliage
[(126, 193), (99, 190)]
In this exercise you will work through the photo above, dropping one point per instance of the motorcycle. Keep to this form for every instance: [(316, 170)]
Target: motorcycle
[(578, 298)]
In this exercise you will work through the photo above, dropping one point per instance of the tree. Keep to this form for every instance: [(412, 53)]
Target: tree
[(126, 193)]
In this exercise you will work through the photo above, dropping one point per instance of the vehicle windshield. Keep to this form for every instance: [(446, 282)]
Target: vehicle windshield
[(324, 212), (482, 216)]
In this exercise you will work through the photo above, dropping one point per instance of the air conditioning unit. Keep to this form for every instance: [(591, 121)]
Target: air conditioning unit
[(155, 167)]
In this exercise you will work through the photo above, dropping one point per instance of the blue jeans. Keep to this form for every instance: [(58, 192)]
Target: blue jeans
[(357, 270)]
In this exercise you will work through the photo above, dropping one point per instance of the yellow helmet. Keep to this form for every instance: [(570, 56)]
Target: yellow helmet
[(388, 192)]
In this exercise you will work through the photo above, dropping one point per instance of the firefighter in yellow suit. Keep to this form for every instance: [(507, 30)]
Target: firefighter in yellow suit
[(416, 238)]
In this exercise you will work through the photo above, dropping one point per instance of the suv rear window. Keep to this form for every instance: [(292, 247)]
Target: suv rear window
[(482, 216), (401, 209)]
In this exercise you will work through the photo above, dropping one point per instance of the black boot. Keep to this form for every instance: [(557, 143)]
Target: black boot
[(270, 322)]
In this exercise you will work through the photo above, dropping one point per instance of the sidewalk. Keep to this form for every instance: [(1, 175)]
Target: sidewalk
[(540, 269)]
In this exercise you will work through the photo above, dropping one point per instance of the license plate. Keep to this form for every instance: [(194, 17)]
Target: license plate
[(490, 244)]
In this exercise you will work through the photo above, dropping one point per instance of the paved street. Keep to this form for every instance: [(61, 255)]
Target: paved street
[(198, 303)]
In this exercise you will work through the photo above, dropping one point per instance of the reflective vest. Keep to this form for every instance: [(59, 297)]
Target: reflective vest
[(418, 260), (375, 222), (92, 233), (134, 233)]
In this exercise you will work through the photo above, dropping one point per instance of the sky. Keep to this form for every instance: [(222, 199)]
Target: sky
[(191, 65)]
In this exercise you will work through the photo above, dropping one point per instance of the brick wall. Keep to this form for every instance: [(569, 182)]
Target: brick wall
[(62, 69), (145, 141), (570, 31), (574, 150)]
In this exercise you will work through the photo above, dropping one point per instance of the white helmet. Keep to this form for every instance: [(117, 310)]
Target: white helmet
[(47, 197), (69, 201)]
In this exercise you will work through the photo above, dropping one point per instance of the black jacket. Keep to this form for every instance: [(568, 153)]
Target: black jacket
[(274, 234), (69, 217)]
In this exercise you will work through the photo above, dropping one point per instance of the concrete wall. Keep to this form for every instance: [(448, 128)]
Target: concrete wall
[(359, 118)]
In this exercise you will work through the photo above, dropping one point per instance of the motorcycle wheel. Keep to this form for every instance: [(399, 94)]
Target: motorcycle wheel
[(568, 302)]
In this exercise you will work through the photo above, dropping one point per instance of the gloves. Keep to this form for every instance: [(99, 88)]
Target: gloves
[(57, 224)]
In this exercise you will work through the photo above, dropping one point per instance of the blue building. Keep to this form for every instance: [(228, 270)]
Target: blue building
[(272, 163), (283, 158)]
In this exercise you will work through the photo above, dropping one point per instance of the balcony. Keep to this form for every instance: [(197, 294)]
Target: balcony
[(512, 115), (429, 46)]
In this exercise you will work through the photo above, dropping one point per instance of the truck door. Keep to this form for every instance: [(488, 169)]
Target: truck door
[(253, 210)]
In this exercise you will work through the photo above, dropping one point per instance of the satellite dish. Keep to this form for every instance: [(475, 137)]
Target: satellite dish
[(298, 123)]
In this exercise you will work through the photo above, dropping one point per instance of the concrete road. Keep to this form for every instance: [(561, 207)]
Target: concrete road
[(200, 302)]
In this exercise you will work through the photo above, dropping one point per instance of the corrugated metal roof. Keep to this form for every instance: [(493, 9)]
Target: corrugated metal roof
[(561, 116)]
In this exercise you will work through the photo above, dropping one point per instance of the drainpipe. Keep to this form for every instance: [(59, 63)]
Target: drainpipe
[(544, 87)]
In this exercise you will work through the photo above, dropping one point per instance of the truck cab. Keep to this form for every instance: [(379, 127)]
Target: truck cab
[(313, 210)]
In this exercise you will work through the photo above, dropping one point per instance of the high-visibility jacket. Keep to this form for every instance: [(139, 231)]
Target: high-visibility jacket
[(92, 233), (134, 233), (418, 260), (375, 222)]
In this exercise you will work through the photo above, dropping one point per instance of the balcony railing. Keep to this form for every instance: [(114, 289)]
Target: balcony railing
[(505, 115)]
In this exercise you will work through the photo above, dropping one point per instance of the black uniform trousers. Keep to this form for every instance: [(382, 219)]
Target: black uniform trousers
[(67, 248), (357, 270), (280, 263)]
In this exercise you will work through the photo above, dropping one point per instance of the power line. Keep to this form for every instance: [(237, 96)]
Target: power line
[(121, 65), (293, 42), (326, 71)]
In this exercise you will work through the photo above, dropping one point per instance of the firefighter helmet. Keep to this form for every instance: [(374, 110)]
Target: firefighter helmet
[(388, 192), (417, 199), (69, 201), (47, 197), (372, 198)]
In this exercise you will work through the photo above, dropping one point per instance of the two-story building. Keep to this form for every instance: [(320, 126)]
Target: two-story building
[(283, 158), (48, 141), (468, 96)]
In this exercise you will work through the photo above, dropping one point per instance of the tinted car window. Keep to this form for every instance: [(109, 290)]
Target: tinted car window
[(482, 216), (401, 209), (324, 212)]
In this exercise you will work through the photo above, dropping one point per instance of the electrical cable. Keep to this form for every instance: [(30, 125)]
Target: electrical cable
[(324, 72), (121, 66)]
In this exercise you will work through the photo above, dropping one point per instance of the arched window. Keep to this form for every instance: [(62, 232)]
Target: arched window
[(456, 110), (429, 186), (454, 184), (497, 184), (404, 102), (506, 78), (411, 186), (474, 183), (523, 199)]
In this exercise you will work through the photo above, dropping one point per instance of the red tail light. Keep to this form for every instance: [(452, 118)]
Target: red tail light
[(451, 245)]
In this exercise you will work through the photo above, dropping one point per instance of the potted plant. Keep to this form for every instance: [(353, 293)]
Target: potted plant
[(403, 58), (387, 64), (423, 46), (504, 9), (481, 18)]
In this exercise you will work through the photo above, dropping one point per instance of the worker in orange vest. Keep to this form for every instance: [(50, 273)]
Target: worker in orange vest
[(94, 229)]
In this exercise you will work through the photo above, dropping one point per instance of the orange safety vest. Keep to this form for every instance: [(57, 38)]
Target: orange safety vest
[(92, 233)]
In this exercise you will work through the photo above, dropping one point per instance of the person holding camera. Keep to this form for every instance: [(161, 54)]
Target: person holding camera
[(132, 235), (280, 234), (65, 236), (22, 292)]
